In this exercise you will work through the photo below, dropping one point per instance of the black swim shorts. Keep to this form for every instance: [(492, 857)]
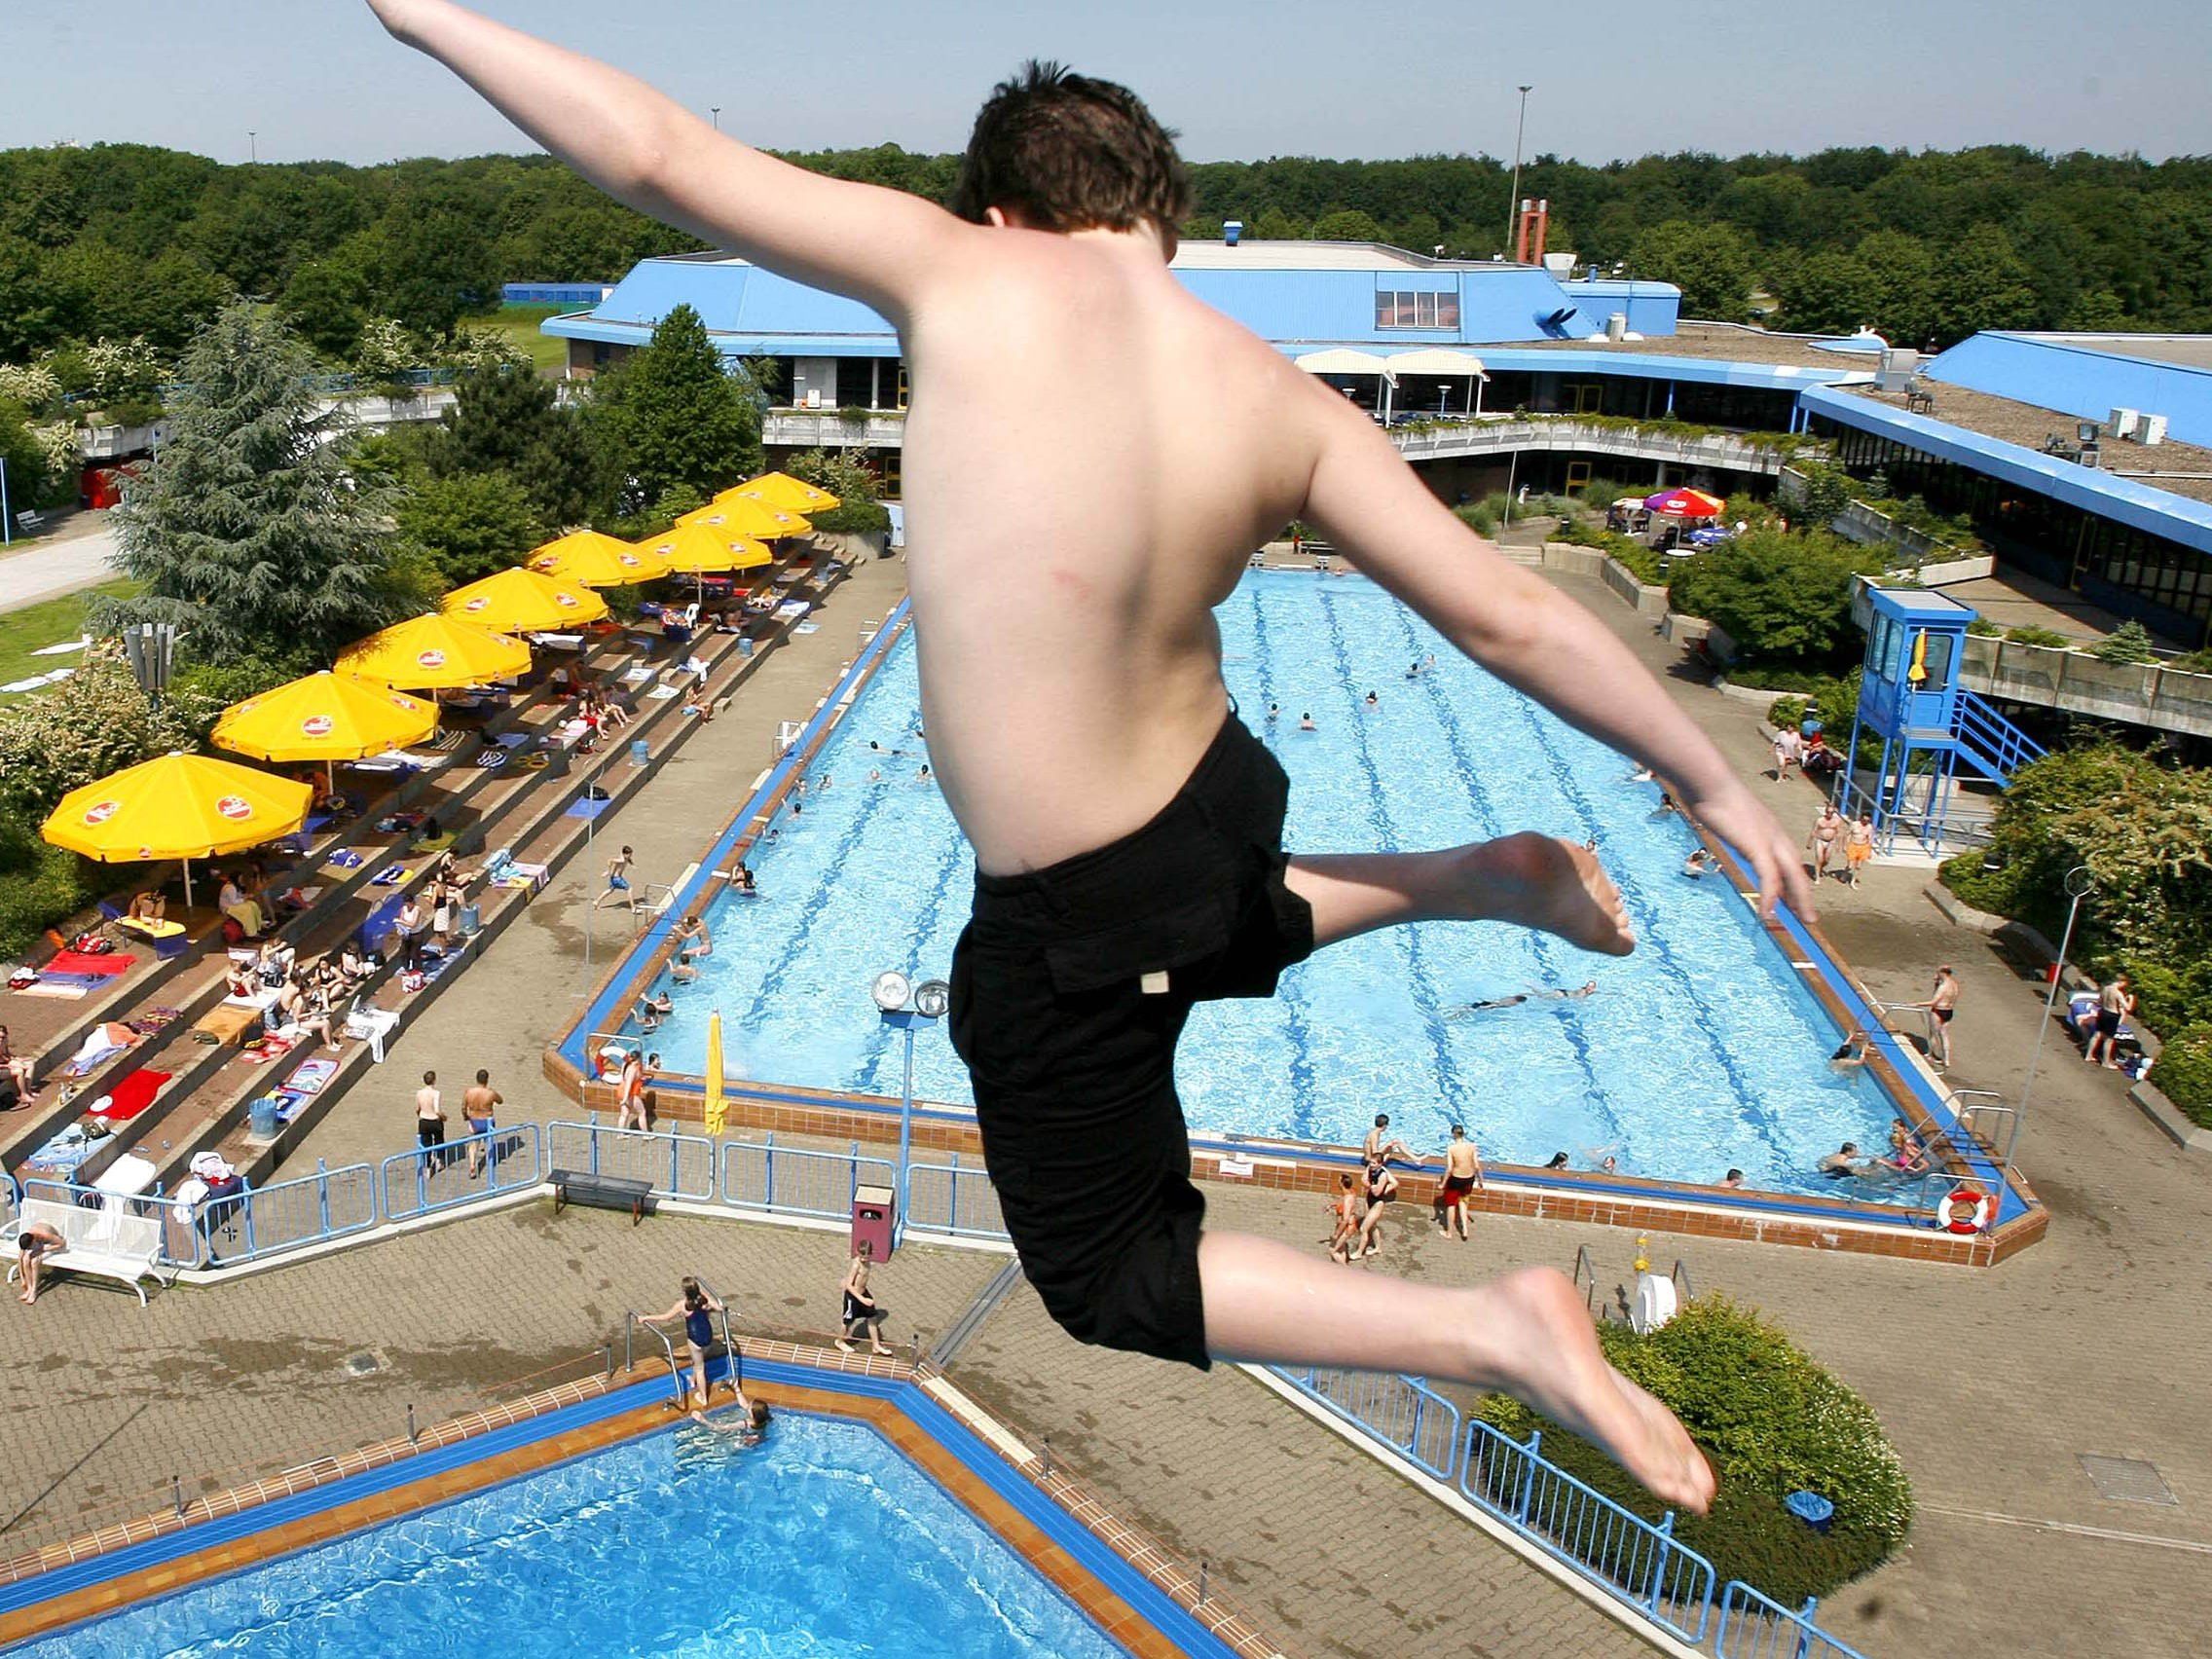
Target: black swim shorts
[(1070, 987)]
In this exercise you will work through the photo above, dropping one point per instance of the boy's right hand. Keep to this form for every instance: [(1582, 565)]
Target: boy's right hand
[(1734, 814)]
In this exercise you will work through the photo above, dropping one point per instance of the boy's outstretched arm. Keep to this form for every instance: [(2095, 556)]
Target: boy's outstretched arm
[(1528, 634), (878, 245)]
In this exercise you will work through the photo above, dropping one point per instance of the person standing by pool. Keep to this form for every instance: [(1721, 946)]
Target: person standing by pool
[(1859, 847), (697, 1309), (1343, 1220), (1942, 1006), (1462, 1176), (479, 1104), (859, 1311), (618, 882), (1827, 837), (1127, 829), (2115, 1003), (1382, 1187), (631, 1092)]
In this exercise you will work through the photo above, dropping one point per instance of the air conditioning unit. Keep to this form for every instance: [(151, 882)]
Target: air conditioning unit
[(2124, 423), (2154, 429), (1616, 327)]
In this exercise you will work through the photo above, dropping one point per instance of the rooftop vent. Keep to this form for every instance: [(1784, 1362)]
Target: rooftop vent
[(1231, 231)]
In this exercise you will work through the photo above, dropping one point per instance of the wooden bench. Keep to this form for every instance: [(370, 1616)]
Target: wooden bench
[(602, 1192), (104, 1242)]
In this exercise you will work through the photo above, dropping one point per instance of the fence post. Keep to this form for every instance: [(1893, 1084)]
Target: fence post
[(1535, 1450), (593, 1133), (1804, 1630), (1205, 1572), (1048, 1455), (245, 1202), (322, 1192), (412, 1435), (674, 1149), (176, 1491), (952, 1200), (1659, 1562), (768, 1171), (1413, 1445)]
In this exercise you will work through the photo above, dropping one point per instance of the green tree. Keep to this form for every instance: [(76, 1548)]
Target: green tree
[(1981, 282), (437, 258), (1905, 279), (2099, 311), (1782, 596), (1711, 264), (676, 417), (325, 302), (471, 524), (1346, 224), (859, 509), (1828, 292), (1275, 225), (251, 529), (513, 420)]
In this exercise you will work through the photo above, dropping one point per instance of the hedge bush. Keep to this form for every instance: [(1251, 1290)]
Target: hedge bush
[(1646, 565), (2183, 1072), (1772, 1421)]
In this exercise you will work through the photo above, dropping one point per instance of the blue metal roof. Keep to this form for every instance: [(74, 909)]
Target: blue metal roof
[(2085, 377), (1924, 605), (2158, 512), (751, 309)]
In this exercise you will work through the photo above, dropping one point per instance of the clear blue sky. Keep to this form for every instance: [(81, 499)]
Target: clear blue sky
[(1240, 78)]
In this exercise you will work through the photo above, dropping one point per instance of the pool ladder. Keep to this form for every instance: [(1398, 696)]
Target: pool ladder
[(630, 1326)]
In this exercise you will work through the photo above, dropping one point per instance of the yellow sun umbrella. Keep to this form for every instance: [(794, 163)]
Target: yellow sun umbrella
[(741, 515), (326, 717), (433, 652), (179, 806), (523, 601), (782, 490), (696, 549), (718, 1098), (597, 561)]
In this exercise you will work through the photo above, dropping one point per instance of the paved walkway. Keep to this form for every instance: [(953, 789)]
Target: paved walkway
[(55, 565), (1993, 1382)]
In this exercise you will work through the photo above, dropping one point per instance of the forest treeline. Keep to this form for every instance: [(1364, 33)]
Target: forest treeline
[(121, 240)]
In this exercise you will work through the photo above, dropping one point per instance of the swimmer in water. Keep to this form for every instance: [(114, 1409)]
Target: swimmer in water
[(1306, 721), (1698, 865), (1373, 701), (1588, 988)]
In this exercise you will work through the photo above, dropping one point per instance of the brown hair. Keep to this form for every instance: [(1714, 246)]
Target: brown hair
[(1070, 153)]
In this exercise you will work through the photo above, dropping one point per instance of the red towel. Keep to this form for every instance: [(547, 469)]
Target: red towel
[(133, 1095), (98, 967)]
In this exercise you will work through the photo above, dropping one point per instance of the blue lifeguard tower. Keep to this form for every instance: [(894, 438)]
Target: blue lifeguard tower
[(1927, 722)]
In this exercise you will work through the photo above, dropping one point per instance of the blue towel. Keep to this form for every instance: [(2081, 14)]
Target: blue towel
[(586, 809), (346, 858)]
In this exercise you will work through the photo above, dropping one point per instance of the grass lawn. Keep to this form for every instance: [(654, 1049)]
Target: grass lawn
[(519, 323), (49, 624)]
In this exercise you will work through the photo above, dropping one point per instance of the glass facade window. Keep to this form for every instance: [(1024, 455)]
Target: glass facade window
[(1399, 309)]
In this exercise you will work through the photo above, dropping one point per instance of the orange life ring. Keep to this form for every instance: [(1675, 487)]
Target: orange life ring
[(1978, 1211)]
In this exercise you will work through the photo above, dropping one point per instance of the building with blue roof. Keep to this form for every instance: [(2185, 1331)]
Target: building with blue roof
[(2014, 431)]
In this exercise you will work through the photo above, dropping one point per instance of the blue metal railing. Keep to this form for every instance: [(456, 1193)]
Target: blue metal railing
[(1753, 1626), (1992, 738), (789, 1180), (426, 1179), (955, 1199), (270, 1221), (672, 1165), (1638, 1563)]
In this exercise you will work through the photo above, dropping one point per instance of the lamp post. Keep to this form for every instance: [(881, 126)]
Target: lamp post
[(904, 1007), (715, 110), (253, 146), (151, 648), (2080, 884), (1513, 197), (7, 519)]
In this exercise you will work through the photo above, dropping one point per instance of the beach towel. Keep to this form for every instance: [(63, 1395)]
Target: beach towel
[(389, 876), (66, 985), (155, 1019), (129, 1097), (98, 967), (100, 1044), (309, 1077), (346, 858)]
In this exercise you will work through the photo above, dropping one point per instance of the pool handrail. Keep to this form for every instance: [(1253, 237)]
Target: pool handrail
[(632, 1320)]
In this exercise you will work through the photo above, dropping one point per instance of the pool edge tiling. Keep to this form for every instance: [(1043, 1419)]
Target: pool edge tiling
[(1138, 1596), (1666, 1206)]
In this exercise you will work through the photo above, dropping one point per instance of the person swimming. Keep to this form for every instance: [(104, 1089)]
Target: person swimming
[(1588, 988)]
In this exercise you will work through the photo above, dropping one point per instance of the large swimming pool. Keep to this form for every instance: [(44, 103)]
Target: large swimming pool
[(1700, 1052), (824, 1541)]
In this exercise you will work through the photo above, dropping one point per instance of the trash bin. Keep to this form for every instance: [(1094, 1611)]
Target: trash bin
[(641, 752), (261, 1118), (1811, 1508), (471, 921), (874, 1212)]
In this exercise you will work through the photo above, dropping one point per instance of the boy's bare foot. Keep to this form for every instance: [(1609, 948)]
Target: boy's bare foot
[(1545, 1345), (1542, 882)]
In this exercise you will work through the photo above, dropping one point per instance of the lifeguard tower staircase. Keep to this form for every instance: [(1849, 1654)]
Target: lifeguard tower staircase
[(1929, 724)]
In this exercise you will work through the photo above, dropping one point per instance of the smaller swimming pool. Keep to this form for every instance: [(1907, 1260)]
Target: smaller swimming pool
[(826, 1540)]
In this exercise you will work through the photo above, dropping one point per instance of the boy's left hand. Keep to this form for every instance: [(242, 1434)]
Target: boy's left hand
[(1740, 819)]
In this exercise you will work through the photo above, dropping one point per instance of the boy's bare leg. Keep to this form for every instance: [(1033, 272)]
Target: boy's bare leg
[(1534, 881), (1527, 1333)]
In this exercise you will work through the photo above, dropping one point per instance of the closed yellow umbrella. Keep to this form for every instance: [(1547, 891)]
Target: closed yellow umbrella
[(597, 561), (433, 653), (179, 806), (523, 601), (718, 1097), (782, 490), (327, 718), (741, 515)]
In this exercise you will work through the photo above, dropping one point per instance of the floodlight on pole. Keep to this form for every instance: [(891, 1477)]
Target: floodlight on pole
[(2080, 884), (715, 110), (253, 146), (1513, 196), (903, 1006)]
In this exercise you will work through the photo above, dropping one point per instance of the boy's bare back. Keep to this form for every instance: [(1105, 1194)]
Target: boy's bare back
[(1090, 458)]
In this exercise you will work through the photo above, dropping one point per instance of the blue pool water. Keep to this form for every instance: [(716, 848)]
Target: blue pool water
[(1700, 1052), (825, 1541)]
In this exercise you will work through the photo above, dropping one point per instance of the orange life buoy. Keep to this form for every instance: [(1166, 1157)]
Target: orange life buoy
[(1965, 1211)]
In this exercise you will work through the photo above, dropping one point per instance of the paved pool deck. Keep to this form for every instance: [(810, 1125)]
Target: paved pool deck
[(1993, 1382)]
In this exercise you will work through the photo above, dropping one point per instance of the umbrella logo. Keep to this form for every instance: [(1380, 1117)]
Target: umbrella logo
[(432, 660), (317, 725), (100, 812), (566, 601), (403, 702), (630, 559), (235, 807), (477, 603)]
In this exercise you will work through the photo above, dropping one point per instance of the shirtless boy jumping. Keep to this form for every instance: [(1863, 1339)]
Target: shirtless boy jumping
[(1126, 826)]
